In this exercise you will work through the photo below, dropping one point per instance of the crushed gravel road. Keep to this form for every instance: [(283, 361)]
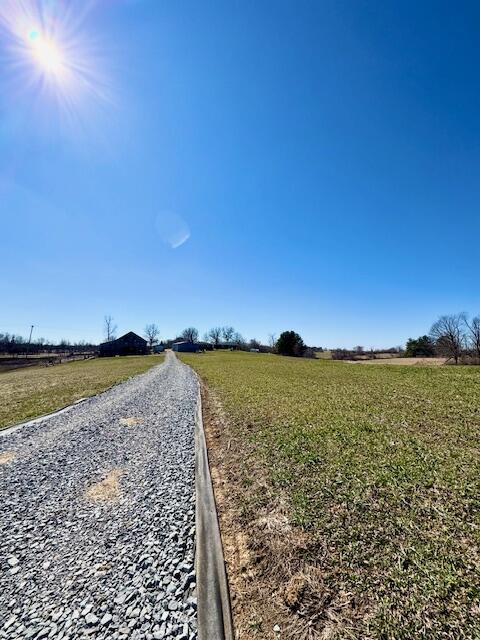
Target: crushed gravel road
[(97, 516)]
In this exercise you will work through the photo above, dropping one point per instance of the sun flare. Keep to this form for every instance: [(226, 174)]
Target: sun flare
[(51, 59), (47, 55)]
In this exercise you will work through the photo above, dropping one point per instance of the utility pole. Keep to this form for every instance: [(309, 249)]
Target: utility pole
[(29, 341)]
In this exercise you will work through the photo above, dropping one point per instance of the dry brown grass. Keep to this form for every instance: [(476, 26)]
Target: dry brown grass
[(7, 456), (403, 361), (107, 490), (271, 580)]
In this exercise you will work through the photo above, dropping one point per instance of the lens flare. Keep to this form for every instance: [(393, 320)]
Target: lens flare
[(53, 65)]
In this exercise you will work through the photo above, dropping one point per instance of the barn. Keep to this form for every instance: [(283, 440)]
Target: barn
[(130, 344), (186, 346)]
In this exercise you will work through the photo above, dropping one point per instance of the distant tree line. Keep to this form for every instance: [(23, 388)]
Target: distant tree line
[(226, 336), (453, 337), (12, 344), (289, 343), (222, 337), (360, 353)]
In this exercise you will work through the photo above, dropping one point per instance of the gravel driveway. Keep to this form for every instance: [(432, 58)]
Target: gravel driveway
[(97, 515)]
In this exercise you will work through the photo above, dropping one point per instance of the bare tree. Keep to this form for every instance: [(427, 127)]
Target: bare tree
[(474, 334), (228, 333), (272, 340), (449, 337), (151, 334), (109, 328), (238, 339), (214, 335), (190, 334)]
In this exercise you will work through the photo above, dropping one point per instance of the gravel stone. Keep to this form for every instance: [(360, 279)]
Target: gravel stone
[(120, 568), (106, 619), (91, 618)]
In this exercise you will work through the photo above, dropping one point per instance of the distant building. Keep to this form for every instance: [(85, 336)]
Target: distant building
[(231, 346), (205, 346), (158, 348), (128, 345), (186, 346)]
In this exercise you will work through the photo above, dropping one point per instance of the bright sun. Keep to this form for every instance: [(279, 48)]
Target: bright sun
[(46, 54), (51, 60)]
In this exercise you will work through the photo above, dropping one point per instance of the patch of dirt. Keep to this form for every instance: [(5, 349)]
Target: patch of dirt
[(130, 422), (7, 456), (274, 567), (405, 361), (108, 490)]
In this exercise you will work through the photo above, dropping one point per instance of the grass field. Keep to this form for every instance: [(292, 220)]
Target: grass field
[(27, 393), (356, 490)]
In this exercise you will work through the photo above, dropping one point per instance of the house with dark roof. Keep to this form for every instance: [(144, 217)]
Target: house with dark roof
[(130, 344)]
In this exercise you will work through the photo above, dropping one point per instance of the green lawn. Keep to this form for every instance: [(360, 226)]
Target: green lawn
[(33, 391), (379, 467)]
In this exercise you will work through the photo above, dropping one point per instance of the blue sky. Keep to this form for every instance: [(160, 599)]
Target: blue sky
[(270, 165)]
